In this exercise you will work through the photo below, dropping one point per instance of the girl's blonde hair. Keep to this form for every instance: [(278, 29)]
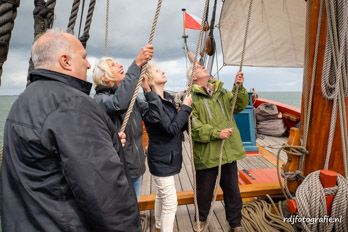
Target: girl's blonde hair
[(101, 73)]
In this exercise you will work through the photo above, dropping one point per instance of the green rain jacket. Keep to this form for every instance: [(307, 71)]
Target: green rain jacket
[(209, 116)]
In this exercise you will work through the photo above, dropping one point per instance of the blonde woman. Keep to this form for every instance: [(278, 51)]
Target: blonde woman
[(114, 90), (164, 125)]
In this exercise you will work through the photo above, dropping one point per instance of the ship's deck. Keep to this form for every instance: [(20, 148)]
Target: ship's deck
[(185, 213)]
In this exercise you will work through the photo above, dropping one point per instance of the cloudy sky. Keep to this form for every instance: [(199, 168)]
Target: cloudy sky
[(130, 24)]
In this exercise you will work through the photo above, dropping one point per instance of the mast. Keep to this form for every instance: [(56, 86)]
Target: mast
[(319, 124)]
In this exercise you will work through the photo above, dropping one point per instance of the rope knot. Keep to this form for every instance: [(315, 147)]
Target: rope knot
[(331, 191)]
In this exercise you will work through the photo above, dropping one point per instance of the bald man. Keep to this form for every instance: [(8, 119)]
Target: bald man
[(61, 169)]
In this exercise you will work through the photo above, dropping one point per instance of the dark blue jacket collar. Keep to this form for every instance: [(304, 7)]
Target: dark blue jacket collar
[(44, 74)]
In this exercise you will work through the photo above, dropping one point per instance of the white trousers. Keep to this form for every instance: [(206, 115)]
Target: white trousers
[(166, 203)]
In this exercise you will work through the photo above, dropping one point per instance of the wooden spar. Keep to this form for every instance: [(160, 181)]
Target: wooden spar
[(321, 108), (247, 191)]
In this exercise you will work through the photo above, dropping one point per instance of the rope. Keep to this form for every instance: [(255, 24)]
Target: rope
[(1, 156), (136, 90), (188, 91), (308, 102), (234, 100), (81, 17), (43, 16), (294, 175), (106, 38), (334, 82), (73, 16), (8, 13), (43, 20), (50, 4), (85, 36), (311, 203), (262, 216)]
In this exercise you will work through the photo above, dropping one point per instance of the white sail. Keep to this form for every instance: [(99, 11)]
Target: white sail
[(276, 36)]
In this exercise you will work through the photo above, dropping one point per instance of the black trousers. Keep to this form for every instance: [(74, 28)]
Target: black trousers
[(229, 183)]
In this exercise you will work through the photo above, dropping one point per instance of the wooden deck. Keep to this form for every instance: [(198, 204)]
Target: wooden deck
[(185, 213)]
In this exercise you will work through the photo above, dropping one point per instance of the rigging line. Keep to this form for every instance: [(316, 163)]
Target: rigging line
[(50, 4), (217, 65), (234, 100), (73, 16), (308, 101), (189, 89), (106, 38), (81, 17), (334, 63), (136, 90), (8, 14), (85, 36)]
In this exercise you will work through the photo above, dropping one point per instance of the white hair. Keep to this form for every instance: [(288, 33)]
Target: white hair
[(47, 48), (189, 73), (148, 71), (101, 73)]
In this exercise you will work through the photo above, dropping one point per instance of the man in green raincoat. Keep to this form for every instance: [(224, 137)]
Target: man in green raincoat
[(212, 123)]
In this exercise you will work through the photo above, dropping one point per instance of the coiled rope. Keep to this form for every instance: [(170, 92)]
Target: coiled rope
[(8, 13), (136, 90), (334, 83), (311, 203), (262, 216)]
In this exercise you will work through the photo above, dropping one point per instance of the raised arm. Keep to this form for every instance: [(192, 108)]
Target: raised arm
[(156, 115), (120, 100)]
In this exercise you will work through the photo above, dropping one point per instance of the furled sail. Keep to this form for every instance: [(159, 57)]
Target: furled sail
[(276, 36)]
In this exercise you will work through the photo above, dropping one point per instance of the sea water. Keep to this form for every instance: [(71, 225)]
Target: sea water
[(290, 98)]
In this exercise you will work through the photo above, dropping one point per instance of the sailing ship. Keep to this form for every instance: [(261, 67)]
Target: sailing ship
[(313, 38)]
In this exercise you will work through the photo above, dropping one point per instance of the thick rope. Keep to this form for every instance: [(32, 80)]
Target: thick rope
[(311, 203), (73, 16), (8, 13), (81, 18), (106, 37), (334, 81), (43, 20), (50, 4), (85, 36), (136, 90), (43, 16)]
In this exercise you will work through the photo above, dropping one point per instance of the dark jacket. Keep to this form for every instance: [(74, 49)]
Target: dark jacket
[(115, 101), (164, 126), (61, 171)]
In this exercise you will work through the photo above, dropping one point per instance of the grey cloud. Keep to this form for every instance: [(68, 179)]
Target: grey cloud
[(130, 23)]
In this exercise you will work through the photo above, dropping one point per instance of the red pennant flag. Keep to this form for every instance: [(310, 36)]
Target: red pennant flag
[(191, 21)]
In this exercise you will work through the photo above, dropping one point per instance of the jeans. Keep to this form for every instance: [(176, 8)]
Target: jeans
[(166, 203), (229, 183), (137, 186)]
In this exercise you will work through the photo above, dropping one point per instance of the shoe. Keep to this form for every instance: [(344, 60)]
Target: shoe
[(157, 230), (201, 225), (237, 229)]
